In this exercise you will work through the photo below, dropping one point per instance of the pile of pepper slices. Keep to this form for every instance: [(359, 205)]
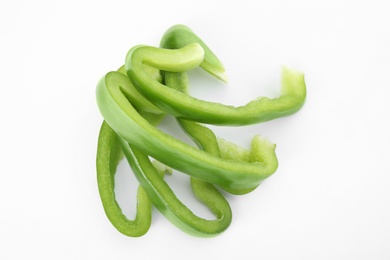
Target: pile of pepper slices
[(153, 83)]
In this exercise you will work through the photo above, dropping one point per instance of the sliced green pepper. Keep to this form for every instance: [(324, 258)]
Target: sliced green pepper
[(109, 154), (203, 136), (147, 110), (126, 121), (170, 206), (165, 201), (176, 37), (133, 108), (180, 105)]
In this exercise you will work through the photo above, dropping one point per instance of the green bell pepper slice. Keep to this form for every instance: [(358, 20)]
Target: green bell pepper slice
[(205, 138), (133, 113), (109, 154), (176, 37), (130, 125), (262, 109), (151, 178), (165, 200)]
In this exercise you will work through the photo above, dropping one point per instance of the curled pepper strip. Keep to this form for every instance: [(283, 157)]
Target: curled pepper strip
[(180, 105), (170, 206), (205, 138), (132, 110), (109, 154), (130, 125)]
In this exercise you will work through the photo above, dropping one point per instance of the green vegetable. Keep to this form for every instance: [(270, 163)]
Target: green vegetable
[(170, 206), (181, 105), (109, 154), (130, 125), (201, 135), (180, 35), (158, 190), (133, 101)]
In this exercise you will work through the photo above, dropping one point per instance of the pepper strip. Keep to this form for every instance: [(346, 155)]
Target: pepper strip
[(262, 109), (165, 200), (177, 212), (139, 101), (206, 140), (203, 137), (147, 110), (130, 125), (173, 208), (109, 154)]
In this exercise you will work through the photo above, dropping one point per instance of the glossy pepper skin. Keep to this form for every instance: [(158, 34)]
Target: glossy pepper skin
[(170, 206), (180, 35), (153, 186), (109, 153), (133, 105), (151, 178), (130, 125), (292, 98), (205, 138)]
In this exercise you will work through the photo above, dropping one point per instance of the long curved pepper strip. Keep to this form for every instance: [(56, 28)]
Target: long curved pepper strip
[(109, 154), (262, 109), (176, 37), (165, 200), (170, 206), (130, 125), (203, 136)]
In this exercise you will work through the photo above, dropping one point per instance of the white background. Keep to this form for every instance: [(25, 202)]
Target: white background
[(330, 197)]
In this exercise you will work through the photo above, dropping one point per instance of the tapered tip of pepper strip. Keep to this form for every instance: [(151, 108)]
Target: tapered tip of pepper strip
[(180, 35), (294, 86), (219, 74)]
